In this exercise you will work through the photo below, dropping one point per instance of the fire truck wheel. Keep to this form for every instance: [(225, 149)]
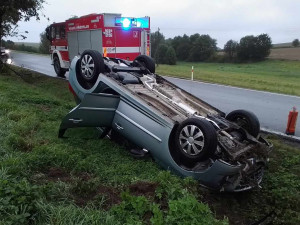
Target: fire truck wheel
[(146, 61), (246, 120), (58, 70), (91, 64)]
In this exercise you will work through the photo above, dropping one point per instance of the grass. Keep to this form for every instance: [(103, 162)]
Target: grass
[(271, 75), (84, 180)]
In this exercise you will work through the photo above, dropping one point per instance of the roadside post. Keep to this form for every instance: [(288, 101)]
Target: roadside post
[(292, 120), (192, 78)]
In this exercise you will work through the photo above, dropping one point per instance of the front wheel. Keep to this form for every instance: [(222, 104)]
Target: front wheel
[(58, 70), (195, 140)]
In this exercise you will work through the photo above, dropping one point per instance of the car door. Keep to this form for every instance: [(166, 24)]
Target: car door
[(95, 110)]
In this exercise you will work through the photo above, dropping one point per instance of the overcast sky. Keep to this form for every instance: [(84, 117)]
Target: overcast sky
[(221, 19)]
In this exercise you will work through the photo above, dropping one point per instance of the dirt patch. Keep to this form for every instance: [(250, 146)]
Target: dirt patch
[(111, 196), (241, 208), (142, 188), (43, 107), (84, 176), (57, 174)]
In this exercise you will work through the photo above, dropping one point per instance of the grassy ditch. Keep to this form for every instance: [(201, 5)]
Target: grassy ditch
[(84, 180), (270, 75)]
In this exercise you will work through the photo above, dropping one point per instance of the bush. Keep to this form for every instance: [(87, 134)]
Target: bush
[(18, 201), (295, 43)]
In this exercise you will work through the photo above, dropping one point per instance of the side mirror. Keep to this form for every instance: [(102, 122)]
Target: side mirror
[(48, 35)]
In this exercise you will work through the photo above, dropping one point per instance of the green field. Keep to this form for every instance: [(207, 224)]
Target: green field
[(85, 180), (271, 75), (31, 44)]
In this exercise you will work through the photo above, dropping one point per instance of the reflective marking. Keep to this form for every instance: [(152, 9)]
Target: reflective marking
[(98, 109), (59, 48), (138, 126), (123, 49)]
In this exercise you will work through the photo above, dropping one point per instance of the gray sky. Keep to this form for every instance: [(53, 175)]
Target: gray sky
[(221, 19)]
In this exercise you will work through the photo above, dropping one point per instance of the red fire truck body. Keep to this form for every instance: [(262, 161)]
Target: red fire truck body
[(110, 34)]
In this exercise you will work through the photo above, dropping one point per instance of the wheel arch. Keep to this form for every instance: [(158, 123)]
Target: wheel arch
[(56, 53)]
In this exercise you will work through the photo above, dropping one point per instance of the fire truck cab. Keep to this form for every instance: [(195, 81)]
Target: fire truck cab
[(110, 34)]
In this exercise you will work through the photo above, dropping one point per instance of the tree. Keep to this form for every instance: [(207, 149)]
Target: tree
[(246, 48), (203, 47), (8, 44), (44, 44), (295, 43), (11, 12), (157, 38), (254, 47), (263, 46), (230, 49), (160, 54), (182, 46), (171, 56)]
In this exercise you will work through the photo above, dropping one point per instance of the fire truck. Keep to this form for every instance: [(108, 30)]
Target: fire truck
[(110, 34)]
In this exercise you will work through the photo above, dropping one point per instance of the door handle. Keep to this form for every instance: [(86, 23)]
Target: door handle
[(119, 127), (76, 120)]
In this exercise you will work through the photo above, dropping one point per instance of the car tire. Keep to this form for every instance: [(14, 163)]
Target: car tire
[(195, 140), (58, 70), (145, 61), (91, 64), (246, 120)]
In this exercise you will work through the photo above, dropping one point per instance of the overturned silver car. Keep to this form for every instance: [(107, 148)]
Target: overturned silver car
[(182, 133)]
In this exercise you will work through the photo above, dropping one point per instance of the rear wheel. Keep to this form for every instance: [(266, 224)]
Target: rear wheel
[(146, 61), (246, 120), (195, 140), (58, 70)]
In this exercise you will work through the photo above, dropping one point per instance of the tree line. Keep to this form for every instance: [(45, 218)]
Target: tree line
[(203, 48)]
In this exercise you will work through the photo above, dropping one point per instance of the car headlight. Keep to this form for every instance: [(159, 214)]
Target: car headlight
[(9, 61), (7, 51)]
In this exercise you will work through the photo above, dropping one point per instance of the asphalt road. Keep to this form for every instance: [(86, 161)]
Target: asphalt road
[(271, 109), (38, 63)]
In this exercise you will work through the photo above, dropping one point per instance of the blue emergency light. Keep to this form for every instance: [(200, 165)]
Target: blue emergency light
[(127, 22)]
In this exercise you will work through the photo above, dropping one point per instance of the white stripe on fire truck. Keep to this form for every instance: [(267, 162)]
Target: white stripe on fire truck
[(122, 49), (60, 48)]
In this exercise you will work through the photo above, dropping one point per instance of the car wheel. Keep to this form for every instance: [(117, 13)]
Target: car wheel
[(145, 61), (246, 120), (195, 140), (58, 70), (91, 64)]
